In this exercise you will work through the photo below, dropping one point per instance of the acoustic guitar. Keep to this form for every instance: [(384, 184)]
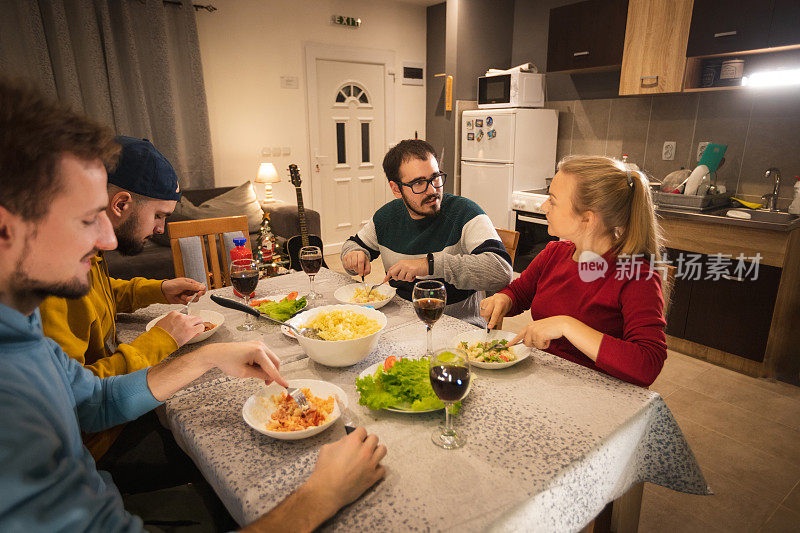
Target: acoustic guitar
[(294, 244)]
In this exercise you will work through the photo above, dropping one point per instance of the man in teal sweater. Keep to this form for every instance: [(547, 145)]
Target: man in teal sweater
[(427, 234), (52, 222)]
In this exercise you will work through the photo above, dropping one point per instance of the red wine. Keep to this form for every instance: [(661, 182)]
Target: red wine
[(429, 310), (311, 265), (245, 281), (449, 382)]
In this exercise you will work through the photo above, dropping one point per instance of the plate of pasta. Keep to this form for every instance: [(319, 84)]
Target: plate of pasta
[(490, 351), (356, 294), (275, 414)]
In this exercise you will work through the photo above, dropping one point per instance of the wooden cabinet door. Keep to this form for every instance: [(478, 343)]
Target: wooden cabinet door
[(678, 302), (654, 55), (586, 35), (733, 315), (722, 26), (785, 28)]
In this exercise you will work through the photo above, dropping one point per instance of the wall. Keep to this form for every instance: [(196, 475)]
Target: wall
[(476, 39), (760, 128), (247, 45)]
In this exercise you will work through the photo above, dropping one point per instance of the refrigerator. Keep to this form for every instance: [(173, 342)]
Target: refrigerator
[(506, 150)]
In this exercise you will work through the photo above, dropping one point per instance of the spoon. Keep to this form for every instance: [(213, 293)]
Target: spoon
[(311, 333)]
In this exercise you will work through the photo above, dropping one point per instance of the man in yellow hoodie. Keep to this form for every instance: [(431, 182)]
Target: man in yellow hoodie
[(143, 191)]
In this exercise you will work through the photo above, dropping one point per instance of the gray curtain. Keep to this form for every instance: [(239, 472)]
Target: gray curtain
[(132, 64)]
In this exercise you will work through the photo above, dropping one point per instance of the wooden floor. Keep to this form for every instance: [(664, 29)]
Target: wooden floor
[(745, 433)]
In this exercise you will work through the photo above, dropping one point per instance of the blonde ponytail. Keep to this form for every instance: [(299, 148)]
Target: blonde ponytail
[(622, 200)]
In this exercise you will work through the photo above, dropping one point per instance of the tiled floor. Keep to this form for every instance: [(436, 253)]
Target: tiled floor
[(745, 432)]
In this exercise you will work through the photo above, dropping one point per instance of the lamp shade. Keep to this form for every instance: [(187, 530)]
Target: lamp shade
[(267, 174)]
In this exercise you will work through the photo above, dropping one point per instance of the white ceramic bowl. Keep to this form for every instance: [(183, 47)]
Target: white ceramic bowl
[(339, 353), (257, 415), (207, 316), (520, 350), (345, 293)]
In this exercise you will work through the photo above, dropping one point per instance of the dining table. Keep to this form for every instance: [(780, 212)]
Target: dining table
[(549, 443)]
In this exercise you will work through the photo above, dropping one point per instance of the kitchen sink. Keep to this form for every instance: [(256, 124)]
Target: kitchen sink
[(776, 217)]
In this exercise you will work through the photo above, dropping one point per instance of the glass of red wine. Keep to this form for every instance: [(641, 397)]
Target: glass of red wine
[(244, 278), (311, 262), (450, 377), (429, 297)]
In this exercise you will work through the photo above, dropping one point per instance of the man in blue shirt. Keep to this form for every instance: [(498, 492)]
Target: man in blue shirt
[(53, 220)]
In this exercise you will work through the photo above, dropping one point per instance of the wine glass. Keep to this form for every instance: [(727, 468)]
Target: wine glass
[(429, 297), (311, 261), (244, 278), (450, 377)]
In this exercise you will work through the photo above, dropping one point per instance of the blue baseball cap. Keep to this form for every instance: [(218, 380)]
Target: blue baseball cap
[(144, 170)]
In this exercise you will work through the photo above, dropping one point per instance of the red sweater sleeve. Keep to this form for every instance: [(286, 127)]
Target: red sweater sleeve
[(522, 289), (640, 354)]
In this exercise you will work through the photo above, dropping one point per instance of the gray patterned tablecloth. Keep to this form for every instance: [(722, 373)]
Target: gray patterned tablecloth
[(550, 443)]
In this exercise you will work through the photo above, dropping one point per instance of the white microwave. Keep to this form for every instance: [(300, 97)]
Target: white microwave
[(515, 89)]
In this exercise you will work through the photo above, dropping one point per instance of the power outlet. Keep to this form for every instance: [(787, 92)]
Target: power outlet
[(701, 147), (668, 151)]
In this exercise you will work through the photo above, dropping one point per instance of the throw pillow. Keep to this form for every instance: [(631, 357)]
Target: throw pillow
[(239, 201)]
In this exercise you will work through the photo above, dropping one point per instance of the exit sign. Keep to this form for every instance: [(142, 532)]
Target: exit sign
[(353, 22)]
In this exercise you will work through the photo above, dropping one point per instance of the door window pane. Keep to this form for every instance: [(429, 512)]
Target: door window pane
[(363, 98), (365, 142), (341, 156)]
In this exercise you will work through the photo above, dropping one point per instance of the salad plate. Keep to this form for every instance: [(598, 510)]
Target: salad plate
[(520, 351), (370, 371)]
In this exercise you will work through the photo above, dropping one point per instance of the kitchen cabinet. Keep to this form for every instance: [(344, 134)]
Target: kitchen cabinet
[(785, 28), (586, 35), (722, 26), (654, 54), (732, 314)]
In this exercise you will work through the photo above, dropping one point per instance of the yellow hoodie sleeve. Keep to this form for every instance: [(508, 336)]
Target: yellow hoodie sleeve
[(130, 295), (80, 331)]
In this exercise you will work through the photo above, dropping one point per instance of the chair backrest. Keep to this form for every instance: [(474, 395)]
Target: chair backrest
[(210, 231), (510, 240)]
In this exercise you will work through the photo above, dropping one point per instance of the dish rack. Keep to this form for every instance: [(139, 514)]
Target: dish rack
[(691, 201)]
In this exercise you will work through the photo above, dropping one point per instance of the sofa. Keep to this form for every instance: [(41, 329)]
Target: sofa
[(155, 261)]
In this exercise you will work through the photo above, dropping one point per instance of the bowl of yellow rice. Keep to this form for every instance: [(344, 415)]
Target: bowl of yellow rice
[(349, 333)]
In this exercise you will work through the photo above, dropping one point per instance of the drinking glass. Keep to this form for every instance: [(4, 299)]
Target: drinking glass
[(450, 377), (429, 297), (244, 278), (311, 262)]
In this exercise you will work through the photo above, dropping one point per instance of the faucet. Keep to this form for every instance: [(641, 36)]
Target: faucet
[(772, 199)]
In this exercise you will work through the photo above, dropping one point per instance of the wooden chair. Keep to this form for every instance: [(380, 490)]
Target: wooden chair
[(510, 240), (210, 231)]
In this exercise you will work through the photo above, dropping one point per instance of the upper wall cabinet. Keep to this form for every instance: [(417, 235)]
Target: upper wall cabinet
[(725, 27), (655, 46), (586, 35)]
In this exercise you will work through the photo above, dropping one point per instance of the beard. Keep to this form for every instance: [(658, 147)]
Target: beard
[(434, 207), (27, 288), (127, 242)]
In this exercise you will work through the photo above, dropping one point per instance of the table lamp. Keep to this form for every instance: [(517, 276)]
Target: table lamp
[(267, 175)]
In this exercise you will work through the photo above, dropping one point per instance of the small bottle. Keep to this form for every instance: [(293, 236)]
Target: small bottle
[(240, 251), (628, 165), (794, 207)]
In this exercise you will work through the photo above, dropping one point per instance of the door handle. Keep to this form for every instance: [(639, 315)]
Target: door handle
[(731, 278), (644, 78), (724, 34), (584, 53)]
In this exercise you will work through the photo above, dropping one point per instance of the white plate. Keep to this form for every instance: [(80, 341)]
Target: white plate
[(206, 315), (345, 293), (370, 370), (519, 350), (257, 415)]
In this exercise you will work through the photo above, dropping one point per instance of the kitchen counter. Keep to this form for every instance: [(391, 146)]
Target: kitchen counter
[(718, 216)]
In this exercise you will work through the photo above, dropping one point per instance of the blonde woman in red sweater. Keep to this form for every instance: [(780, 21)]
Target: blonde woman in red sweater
[(610, 320)]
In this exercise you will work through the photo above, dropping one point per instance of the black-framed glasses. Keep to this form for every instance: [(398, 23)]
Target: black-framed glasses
[(420, 185)]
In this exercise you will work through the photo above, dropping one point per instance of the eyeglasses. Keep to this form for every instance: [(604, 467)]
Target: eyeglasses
[(420, 185)]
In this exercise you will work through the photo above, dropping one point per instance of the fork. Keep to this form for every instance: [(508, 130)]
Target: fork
[(299, 398), (191, 300), (374, 287)]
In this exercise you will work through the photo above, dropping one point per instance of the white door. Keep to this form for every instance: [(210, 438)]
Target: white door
[(351, 108), (489, 185)]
